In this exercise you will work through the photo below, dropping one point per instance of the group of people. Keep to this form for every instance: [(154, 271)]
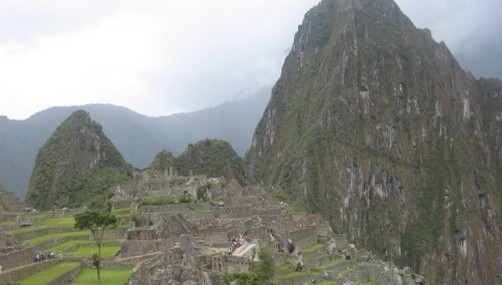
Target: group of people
[(29, 210), (39, 257), (236, 242)]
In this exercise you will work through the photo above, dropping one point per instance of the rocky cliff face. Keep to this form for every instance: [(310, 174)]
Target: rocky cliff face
[(376, 126), (77, 164)]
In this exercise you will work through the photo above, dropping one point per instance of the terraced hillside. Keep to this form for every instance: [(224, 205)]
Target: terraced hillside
[(52, 251)]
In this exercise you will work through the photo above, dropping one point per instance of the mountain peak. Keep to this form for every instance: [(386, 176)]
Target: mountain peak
[(374, 125), (78, 148)]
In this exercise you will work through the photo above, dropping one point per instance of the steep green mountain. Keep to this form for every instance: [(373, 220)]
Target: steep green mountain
[(136, 136), (76, 166), (213, 158), (163, 160), (375, 125)]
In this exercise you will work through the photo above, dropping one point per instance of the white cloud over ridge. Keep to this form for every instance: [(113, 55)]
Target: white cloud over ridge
[(158, 57)]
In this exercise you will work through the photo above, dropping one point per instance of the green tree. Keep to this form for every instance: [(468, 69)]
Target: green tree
[(96, 221)]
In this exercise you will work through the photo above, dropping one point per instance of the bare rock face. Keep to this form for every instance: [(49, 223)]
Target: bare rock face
[(375, 125)]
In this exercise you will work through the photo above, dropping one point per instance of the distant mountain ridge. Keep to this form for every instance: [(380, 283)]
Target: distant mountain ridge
[(138, 138)]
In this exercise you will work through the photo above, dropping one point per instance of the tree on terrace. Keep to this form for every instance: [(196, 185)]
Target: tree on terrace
[(96, 221)]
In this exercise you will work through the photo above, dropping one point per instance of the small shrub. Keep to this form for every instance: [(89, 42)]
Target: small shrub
[(185, 198)]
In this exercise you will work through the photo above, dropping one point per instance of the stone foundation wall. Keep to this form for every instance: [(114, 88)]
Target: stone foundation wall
[(304, 237), (183, 207)]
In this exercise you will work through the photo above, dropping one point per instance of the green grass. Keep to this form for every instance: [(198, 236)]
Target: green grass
[(89, 250), (312, 247), (24, 230), (69, 244), (284, 268), (88, 276), (62, 222), (43, 277), (294, 274), (328, 265), (122, 211), (45, 238)]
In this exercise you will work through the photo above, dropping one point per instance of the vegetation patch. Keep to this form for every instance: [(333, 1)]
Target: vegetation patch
[(45, 276), (62, 222), (313, 247), (49, 237), (87, 276), (328, 265), (89, 250)]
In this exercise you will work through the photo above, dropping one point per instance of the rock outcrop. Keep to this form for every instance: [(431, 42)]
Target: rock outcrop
[(375, 125)]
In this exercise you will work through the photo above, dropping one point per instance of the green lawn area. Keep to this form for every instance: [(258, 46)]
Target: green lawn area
[(45, 238), (61, 222), (24, 230), (43, 277), (89, 250), (293, 274), (121, 212), (67, 245), (88, 276), (313, 247)]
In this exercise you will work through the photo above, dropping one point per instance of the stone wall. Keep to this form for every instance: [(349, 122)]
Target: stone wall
[(112, 234), (31, 234), (135, 248), (182, 207), (156, 218), (66, 277), (216, 238), (230, 264), (242, 211), (258, 232), (304, 237), (143, 233), (17, 258), (23, 272)]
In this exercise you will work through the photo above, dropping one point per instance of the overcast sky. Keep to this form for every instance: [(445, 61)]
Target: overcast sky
[(159, 57)]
